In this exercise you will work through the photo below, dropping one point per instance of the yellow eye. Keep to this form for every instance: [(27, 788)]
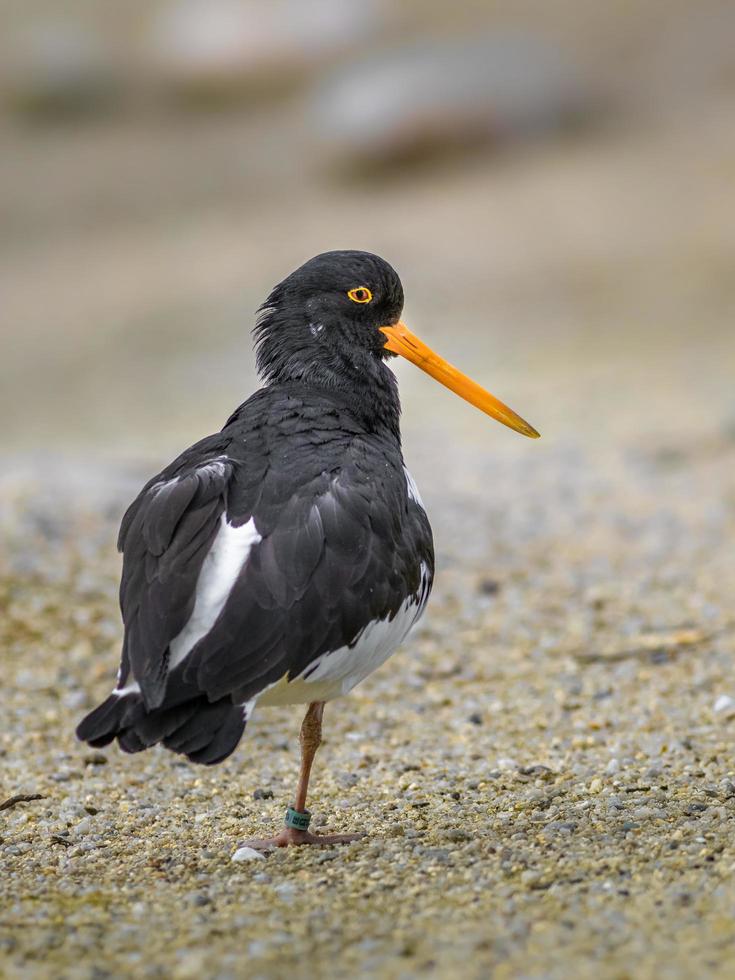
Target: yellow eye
[(361, 294)]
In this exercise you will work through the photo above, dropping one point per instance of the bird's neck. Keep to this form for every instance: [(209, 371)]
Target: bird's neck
[(362, 378), (364, 385), (371, 389)]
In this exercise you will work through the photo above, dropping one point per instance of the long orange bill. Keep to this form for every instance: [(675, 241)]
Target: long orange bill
[(402, 341)]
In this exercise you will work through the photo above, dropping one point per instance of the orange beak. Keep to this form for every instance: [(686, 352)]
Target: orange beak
[(402, 341)]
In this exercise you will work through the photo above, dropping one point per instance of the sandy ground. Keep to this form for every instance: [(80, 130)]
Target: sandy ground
[(545, 773)]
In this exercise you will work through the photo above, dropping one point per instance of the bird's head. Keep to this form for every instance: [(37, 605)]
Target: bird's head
[(337, 318), (327, 313)]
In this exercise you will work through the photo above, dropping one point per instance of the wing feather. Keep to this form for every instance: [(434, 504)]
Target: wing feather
[(165, 537)]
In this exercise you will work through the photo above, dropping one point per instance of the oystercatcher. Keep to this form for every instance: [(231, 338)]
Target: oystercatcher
[(285, 558)]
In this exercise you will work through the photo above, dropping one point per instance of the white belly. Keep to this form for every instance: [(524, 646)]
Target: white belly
[(336, 673)]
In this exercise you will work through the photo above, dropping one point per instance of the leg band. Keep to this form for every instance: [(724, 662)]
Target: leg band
[(297, 820)]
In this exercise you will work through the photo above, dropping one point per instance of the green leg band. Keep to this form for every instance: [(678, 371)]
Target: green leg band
[(297, 820)]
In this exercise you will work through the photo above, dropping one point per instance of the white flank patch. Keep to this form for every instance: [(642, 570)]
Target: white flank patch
[(413, 490), (335, 674), (247, 709), (220, 569)]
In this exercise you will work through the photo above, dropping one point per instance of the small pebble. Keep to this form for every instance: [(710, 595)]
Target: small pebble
[(247, 854), (724, 704), (262, 794)]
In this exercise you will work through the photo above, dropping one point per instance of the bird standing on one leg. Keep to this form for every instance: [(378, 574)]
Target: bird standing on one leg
[(297, 816), (285, 558)]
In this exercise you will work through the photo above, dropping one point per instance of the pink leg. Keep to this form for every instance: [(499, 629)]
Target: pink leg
[(310, 738)]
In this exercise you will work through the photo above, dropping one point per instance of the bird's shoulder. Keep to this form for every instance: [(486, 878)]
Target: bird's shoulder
[(203, 467)]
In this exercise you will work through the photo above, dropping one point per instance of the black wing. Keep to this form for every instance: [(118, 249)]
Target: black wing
[(164, 537)]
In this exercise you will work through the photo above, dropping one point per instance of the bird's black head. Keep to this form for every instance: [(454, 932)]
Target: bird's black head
[(321, 327), (322, 322)]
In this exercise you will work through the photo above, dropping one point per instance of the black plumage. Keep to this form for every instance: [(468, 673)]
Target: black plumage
[(314, 460)]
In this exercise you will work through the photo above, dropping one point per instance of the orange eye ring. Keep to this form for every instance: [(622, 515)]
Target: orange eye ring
[(360, 294)]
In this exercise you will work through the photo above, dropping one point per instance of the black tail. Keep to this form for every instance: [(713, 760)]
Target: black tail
[(109, 720), (202, 731)]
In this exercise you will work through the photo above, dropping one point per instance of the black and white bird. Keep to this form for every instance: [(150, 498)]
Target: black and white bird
[(285, 558)]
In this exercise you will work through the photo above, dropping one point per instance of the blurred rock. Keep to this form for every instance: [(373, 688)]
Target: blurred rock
[(222, 50), (437, 97), (58, 69)]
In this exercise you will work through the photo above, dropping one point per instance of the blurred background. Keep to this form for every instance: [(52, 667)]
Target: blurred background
[(552, 181)]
